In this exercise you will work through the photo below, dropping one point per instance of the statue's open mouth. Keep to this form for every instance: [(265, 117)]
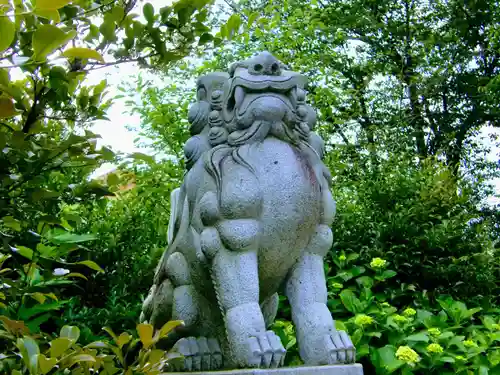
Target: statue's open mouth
[(246, 89)]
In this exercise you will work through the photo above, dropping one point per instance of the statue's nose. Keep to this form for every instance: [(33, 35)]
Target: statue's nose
[(265, 64)]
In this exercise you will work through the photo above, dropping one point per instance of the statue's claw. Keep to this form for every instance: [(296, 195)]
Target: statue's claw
[(339, 347), (266, 351), (199, 353)]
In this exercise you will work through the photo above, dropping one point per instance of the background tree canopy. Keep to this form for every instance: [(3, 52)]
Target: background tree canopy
[(406, 92)]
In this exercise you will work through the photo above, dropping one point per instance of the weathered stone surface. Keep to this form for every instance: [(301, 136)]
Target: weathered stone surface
[(251, 220), (354, 369)]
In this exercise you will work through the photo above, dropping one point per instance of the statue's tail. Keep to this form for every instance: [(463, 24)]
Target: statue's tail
[(157, 307)]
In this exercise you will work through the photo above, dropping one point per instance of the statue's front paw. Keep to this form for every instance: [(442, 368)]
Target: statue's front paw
[(264, 350), (199, 353), (338, 348)]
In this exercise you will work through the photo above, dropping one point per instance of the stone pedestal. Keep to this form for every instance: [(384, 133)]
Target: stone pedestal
[(355, 369)]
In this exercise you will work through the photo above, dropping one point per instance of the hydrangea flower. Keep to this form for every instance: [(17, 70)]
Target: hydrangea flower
[(363, 320), (409, 312), (342, 258), (407, 354), (470, 344), (378, 263), (434, 348), (434, 332)]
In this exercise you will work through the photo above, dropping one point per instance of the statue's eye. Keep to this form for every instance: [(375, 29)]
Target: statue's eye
[(257, 67), (201, 94)]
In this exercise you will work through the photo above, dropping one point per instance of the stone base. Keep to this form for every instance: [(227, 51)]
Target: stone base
[(355, 369)]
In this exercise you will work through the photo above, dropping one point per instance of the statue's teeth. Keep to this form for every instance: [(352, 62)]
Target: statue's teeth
[(239, 95)]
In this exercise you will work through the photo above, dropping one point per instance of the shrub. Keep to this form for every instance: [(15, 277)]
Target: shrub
[(124, 354), (427, 336), (421, 218)]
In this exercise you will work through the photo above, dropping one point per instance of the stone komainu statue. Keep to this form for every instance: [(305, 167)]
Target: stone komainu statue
[(252, 218)]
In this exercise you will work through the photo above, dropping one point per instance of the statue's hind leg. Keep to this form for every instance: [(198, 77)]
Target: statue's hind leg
[(176, 299)]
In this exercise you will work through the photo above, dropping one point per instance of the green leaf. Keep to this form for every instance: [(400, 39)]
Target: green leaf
[(118, 13), (7, 108), (143, 157), (447, 359), (73, 238), (29, 351), (233, 25), (51, 4), (47, 38), (421, 337), (251, 19), (387, 274), (83, 53), (340, 326), (111, 333), (46, 364), (97, 345), (4, 77), (145, 332), (108, 28), (205, 38), (24, 251), (50, 14), (365, 281), (59, 346), (82, 358), (92, 265), (123, 339), (70, 332), (149, 12), (7, 31), (11, 223), (169, 327), (76, 274), (388, 359), (350, 301)]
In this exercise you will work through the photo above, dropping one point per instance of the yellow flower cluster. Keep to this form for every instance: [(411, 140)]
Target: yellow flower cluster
[(434, 332), (470, 344), (363, 320), (400, 318), (378, 263), (409, 312), (342, 258), (434, 348), (407, 354)]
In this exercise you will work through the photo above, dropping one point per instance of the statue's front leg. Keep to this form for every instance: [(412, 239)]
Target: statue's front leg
[(236, 280), (319, 342)]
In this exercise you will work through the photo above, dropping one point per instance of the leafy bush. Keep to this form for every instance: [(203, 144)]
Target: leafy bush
[(131, 235), (421, 218), (441, 336), (125, 354), (432, 336)]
